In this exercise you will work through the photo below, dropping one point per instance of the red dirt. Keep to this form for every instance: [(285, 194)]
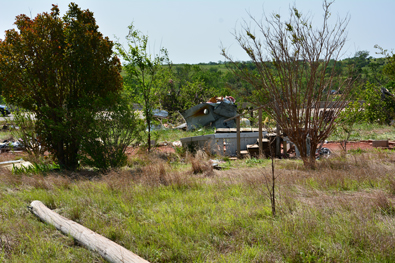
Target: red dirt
[(163, 149), (335, 146), (363, 145)]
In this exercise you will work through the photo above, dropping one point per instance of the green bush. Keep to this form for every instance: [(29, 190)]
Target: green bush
[(114, 129), (24, 129), (377, 107)]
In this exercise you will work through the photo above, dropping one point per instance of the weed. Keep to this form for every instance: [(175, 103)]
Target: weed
[(226, 159), (357, 151), (35, 168), (254, 161), (181, 151), (391, 185), (384, 205)]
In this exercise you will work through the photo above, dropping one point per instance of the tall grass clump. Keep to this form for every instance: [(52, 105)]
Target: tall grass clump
[(200, 163)]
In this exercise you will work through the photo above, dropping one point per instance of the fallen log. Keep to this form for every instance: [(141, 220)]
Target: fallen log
[(108, 249)]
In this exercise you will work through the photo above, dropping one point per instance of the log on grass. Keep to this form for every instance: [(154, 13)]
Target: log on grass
[(108, 249)]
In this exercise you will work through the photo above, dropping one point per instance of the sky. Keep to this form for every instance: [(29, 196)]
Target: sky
[(194, 31)]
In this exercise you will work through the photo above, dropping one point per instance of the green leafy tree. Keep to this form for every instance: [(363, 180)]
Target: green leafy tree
[(357, 63), (389, 68), (378, 107), (58, 68), (189, 85), (345, 123), (185, 96), (144, 74)]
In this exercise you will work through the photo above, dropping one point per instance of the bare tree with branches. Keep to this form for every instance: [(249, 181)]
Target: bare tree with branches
[(292, 81)]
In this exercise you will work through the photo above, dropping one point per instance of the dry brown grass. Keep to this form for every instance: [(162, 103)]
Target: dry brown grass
[(49, 182), (154, 175), (359, 182), (200, 163)]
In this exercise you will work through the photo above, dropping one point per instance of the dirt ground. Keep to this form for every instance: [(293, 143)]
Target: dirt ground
[(335, 146), (164, 149), (363, 145)]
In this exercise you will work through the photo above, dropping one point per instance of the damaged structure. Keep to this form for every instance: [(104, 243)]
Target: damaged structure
[(212, 113)]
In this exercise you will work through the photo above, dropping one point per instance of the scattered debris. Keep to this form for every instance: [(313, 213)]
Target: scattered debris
[(156, 113), (18, 164), (4, 110), (323, 153), (160, 113), (177, 144), (6, 146), (226, 99), (215, 164), (182, 126)]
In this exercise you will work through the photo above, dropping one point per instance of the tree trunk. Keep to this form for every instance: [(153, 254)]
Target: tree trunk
[(149, 135), (108, 249)]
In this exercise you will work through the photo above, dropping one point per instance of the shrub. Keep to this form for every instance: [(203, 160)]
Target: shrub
[(24, 129), (377, 107), (106, 140)]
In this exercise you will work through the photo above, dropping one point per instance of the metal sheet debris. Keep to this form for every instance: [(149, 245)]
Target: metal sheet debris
[(212, 114)]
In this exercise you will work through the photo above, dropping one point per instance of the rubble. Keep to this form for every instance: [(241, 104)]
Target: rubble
[(212, 113), (18, 164), (6, 146)]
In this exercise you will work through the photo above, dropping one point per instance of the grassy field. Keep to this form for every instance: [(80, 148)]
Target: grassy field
[(369, 131), (175, 208)]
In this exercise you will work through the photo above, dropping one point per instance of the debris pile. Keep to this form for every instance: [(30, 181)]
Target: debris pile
[(7, 145), (10, 165), (268, 141), (212, 113)]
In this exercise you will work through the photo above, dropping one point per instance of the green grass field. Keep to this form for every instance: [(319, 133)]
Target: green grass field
[(175, 208), (369, 131)]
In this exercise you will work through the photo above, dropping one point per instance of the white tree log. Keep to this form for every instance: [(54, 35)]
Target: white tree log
[(108, 249)]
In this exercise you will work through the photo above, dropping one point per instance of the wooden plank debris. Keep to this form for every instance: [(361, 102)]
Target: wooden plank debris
[(234, 130)]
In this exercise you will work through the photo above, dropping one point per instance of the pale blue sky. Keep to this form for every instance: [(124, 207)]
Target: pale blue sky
[(193, 31)]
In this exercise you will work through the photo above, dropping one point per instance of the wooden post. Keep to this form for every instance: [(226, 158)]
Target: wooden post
[(260, 133), (238, 137), (252, 117), (108, 249), (278, 143)]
